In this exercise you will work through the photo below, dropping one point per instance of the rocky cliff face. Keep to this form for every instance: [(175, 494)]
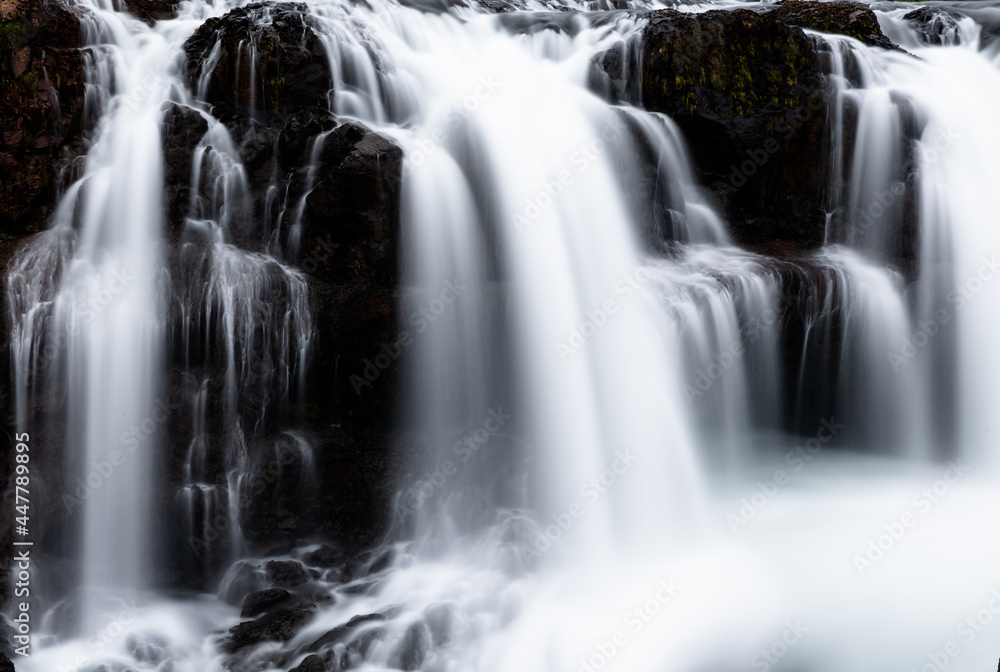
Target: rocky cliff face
[(41, 108)]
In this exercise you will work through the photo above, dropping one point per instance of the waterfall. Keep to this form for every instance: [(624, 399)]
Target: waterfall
[(620, 439)]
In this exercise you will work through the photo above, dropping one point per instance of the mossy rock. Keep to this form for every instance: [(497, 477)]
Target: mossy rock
[(838, 18)]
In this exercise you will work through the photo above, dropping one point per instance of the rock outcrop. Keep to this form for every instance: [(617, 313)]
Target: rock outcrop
[(262, 61), (749, 92), (41, 108)]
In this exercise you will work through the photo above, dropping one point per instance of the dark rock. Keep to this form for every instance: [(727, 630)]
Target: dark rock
[(280, 625), (41, 108), (749, 94), (840, 18), (354, 208), (257, 603), (312, 663), (382, 561), (413, 648), (293, 70), (341, 632), (326, 556), (350, 249), (182, 129), (5, 664), (245, 578), (934, 25), (151, 11), (286, 573)]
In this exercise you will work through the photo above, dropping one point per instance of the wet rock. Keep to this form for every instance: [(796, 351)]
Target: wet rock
[(749, 94), (382, 561), (349, 248), (41, 108), (280, 625), (5, 664), (341, 632), (934, 25), (151, 11), (413, 648), (286, 573), (325, 556), (840, 18), (312, 663), (147, 647), (354, 208), (244, 578), (183, 127), (258, 602), (292, 68)]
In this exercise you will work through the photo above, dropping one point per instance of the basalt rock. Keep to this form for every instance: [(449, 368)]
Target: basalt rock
[(41, 108), (291, 70)]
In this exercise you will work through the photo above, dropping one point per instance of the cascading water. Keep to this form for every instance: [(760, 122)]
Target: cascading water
[(609, 389)]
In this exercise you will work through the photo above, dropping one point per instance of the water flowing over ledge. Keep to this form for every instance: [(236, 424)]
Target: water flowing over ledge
[(507, 335)]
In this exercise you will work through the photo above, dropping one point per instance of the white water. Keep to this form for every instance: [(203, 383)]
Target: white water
[(581, 393)]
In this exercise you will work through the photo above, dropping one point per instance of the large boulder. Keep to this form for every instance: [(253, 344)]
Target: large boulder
[(748, 92), (292, 70), (41, 108)]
